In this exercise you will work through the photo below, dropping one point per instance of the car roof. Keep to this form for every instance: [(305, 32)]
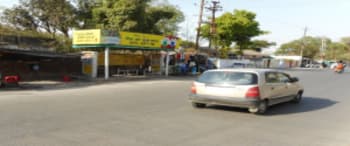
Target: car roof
[(254, 70)]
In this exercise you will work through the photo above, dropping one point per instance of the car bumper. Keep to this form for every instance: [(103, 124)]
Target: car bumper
[(226, 101)]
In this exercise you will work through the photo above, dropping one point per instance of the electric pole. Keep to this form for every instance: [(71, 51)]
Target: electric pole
[(199, 24), (303, 46), (214, 8), (323, 48), (303, 42)]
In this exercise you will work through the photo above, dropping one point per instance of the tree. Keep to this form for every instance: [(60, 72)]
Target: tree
[(239, 27), (137, 16), (20, 18), (187, 44), (260, 44), (164, 19), (311, 47), (83, 11), (337, 51), (50, 15)]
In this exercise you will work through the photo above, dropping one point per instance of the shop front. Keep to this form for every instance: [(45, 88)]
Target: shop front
[(125, 53)]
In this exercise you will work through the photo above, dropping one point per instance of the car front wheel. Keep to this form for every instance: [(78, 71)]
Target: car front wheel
[(297, 98)]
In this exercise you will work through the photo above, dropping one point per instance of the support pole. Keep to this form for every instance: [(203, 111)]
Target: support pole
[(106, 63), (167, 64), (199, 24)]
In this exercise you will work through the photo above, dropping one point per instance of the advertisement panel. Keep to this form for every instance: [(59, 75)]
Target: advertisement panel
[(122, 59), (126, 39), (87, 37), (95, 37), (147, 40)]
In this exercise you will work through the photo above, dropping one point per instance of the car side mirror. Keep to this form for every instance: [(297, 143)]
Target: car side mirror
[(294, 79)]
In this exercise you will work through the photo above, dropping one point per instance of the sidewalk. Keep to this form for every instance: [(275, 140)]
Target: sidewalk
[(79, 83)]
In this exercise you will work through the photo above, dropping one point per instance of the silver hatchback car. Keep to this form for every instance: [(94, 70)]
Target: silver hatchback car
[(255, 89)]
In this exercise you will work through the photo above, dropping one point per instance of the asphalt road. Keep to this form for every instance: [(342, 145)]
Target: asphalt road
[(157, 113)]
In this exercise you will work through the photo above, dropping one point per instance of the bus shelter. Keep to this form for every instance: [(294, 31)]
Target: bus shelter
[(111, 40)]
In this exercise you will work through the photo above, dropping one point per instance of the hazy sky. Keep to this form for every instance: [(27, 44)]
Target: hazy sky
[(285, 19)]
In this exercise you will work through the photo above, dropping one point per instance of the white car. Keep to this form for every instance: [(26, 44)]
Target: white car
[(255, 89)]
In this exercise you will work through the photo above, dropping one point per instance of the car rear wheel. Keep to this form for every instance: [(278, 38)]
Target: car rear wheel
[(198, 105), (297, 98), (261, 108)]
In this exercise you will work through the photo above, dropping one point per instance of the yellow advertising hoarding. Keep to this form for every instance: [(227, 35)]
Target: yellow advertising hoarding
[(140, 40), (122, 59), (127, 39), (87, 37)]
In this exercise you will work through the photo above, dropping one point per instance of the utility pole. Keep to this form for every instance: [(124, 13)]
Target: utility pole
[(214, 8), (303, 46), (323, 48), (199, 24)]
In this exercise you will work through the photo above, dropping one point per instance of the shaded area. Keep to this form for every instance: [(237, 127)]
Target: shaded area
[(307, 104), (83, 83)]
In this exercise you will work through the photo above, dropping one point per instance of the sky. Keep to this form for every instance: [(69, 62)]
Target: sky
[(284, 19)]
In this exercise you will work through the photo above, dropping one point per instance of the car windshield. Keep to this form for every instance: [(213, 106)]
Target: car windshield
[(236, 78)]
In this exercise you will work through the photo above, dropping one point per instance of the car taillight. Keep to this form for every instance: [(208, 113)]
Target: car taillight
[(193, 89), (253, 93)]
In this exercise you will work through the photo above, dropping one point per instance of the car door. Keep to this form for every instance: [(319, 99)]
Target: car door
[(273, 89), (291, 88)]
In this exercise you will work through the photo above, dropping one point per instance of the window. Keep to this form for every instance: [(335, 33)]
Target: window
[(235, 78), (271, 77), (283, 78)]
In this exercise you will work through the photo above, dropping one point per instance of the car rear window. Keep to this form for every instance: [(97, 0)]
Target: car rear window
[(235, 78)]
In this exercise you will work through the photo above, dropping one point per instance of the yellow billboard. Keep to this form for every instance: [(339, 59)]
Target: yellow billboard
[(127, 39), (87, 37), (140, 40), (122, 59), (147, 40)]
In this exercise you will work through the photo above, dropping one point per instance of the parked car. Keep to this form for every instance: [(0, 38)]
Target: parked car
[(255, 89)]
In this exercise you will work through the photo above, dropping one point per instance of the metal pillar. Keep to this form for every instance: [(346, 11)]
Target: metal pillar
[(106, 63), (167, 64)]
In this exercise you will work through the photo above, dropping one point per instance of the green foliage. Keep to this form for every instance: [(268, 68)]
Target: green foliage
[(224, 52), (137, 16), (9, 31), (259, 44), (50, 15), (239, 27), (57, 17), (312, 45), (337, 51), (84, 13), (187, 44)]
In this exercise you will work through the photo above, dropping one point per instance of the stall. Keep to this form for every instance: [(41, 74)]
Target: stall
[(125, 52)]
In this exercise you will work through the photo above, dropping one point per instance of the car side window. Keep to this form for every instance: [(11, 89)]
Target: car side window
[(283, 78), (271, 77)]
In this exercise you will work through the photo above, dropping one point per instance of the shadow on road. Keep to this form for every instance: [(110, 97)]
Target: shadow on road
[(308, 104)]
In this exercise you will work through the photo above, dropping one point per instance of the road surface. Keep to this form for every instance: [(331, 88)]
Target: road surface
[(157, 113)]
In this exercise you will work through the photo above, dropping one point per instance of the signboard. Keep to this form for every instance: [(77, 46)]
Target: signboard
[(147, 40), (128, 39), (95, 37), (86, 37)]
